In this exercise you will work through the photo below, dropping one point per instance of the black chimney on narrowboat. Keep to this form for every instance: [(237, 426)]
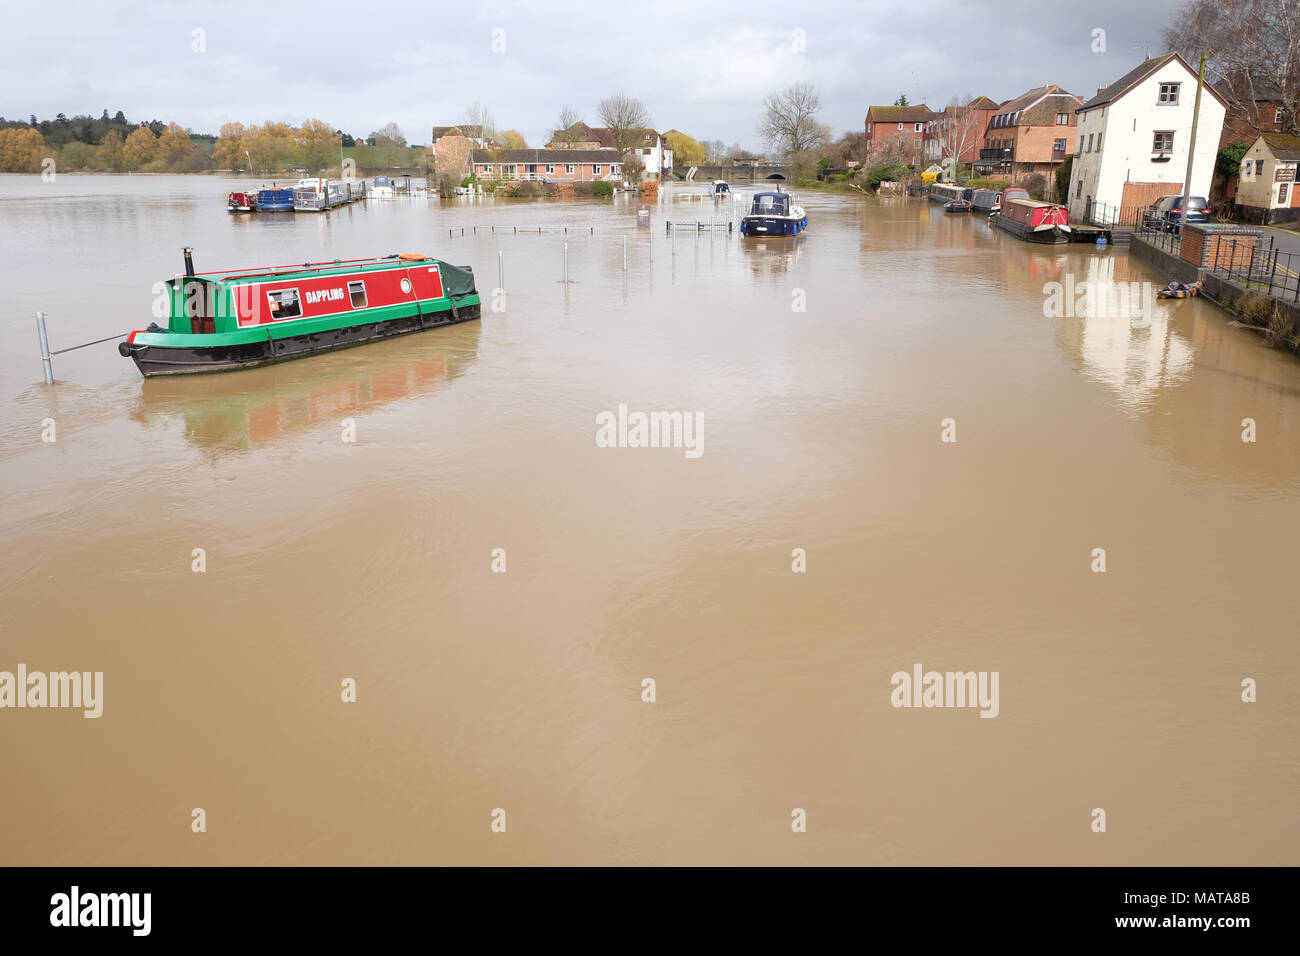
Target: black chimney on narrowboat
[(189, 261)]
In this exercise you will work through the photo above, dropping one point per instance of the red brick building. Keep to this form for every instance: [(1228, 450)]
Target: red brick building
[(552, 165), (897, 133), (1030, 134)]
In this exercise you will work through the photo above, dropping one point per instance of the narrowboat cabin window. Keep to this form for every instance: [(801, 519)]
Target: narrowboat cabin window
[(357, 291), (1169, 93), (284, 304)]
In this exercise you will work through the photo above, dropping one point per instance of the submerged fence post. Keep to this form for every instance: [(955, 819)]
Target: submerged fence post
[(501, 270), (566, 262), (45, 348), (625, 253)]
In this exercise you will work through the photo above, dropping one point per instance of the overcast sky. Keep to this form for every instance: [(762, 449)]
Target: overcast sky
[(700, 67)]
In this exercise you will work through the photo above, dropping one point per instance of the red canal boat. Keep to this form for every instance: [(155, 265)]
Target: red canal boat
[(241, 202), (1033, 221)]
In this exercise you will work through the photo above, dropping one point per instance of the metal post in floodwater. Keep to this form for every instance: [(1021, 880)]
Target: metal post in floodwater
[(625, 253), (45, 348), (566, 262), (501, 270)]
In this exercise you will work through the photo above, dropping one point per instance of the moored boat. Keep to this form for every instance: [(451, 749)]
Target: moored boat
[(957, 205), (721, 190), (275, 199), (241, 202), (773, 214), (243, 318), (1033, 221), (986, 200), (947, 192)]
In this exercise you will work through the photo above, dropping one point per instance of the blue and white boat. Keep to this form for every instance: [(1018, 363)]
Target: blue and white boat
[(275, 199), (773, 214)]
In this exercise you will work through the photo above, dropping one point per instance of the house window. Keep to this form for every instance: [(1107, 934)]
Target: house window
[(869, 125), (1163, 142), (1169, 93), (568, 168), (647, 151), (595, 169), (900, 127), (1059, 145), (1062, 119), (357, 291), (1090, 135), (284, 304), (1078, 191), (918, 128), (550, 168), (1079, 149), (614, 167), (1277, 117), (1281, 193), (1259, 167)]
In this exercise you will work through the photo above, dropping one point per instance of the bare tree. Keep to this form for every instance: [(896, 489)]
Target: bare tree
[(1252, 50), (960, 128), (565, 123), (790, 121), (476, 114), (624, 117)]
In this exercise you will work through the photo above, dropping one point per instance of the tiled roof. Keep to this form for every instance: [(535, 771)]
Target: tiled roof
[(1136, 75), (472, 132), (982, 103), (900, 114), (1283, 146)]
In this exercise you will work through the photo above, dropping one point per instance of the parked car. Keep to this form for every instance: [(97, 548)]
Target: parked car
[(1168, 211)]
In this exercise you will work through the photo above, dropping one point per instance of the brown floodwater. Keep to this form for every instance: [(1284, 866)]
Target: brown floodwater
[(476, 690)]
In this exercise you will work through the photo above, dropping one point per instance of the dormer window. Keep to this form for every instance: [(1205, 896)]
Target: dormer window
[(1169, 93)]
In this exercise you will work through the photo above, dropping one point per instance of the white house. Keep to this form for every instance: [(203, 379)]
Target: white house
[(1266, 187), (1133, 138)]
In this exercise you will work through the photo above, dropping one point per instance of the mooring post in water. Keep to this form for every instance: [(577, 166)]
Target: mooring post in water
[(566, 262), (501, 270), (625, 253), (45, 348)]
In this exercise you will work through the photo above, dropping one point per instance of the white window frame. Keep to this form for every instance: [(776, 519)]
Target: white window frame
[(568, 168), (1168, 95), (917, 127), (595, 168), (550, 169), (900, 127), (1155, 140), (352, 293)]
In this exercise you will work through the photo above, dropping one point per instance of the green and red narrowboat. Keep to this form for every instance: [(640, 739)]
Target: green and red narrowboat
[(244, 318)]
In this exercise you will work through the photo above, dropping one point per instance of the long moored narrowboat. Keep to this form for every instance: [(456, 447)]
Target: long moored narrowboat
[(1033, 221), (239, 319), (275, 199)]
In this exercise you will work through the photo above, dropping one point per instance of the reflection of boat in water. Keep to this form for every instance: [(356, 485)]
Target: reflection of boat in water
[(773, 214), (267, 405)]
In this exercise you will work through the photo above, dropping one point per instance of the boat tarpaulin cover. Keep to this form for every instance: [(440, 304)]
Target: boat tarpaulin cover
[(456, 280)]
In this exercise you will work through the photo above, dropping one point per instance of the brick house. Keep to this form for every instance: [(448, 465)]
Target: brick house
[(896, 132), (1246, 123), (650, 147), (1031, 134), (552, 165), (959, 129)]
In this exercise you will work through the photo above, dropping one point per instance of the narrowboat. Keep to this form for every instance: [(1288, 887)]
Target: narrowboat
[(241, 202), (986, 200), (1033, 221), (946, 192), (275, 199), (243, 318), (773, 214)]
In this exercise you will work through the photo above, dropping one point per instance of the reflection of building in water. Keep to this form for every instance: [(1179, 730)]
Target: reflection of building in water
[(1192, 378), (1123, 335), (257, 407)]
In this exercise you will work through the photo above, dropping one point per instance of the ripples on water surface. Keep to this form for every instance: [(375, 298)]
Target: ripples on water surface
[(522, 690)]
